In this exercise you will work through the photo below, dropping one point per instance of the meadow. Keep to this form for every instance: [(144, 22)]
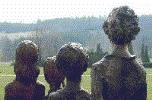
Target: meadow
[(7, 75)]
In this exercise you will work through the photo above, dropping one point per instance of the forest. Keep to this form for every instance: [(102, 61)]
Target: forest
[(51, 34)]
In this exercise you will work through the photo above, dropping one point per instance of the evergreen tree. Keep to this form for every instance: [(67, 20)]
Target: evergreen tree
[(146, 54), (143, 52), (96, 55), (7, 49), (99, 50), (130, 48)]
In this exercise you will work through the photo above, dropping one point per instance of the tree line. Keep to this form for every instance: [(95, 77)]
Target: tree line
[(50, 35)]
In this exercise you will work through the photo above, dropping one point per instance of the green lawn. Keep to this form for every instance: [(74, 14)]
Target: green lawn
[(6, 69)]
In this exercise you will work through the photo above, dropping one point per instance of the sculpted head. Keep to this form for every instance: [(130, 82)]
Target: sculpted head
[(121, 25), (25, 62), (72, 60), (27, 53), (52, 75)]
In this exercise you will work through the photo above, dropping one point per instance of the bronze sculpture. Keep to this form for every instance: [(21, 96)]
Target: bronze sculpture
[(52, 75), (119, 76), (73, 61), (25, 87)]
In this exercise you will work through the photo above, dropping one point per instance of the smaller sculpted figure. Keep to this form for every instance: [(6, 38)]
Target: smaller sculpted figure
[(52, 75), (119, 76), (25, 87), (73, 62)]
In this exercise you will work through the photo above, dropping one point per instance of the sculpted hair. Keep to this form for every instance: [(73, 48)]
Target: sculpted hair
[(121, 25), (52, 75), (72, 60), (26, 53), (25, 62)]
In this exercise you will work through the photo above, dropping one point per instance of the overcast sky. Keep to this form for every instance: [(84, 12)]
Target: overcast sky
[(28, 11)]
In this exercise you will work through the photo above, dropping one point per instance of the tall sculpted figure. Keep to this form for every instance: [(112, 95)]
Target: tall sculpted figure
[(25, 87), (119, 76), (73, 62), (52, 75)]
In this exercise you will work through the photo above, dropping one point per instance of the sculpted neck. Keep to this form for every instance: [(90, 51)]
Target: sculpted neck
[(121, 50), (72, 86)]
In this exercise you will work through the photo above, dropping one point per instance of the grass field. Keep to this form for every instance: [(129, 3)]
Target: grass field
[(7, 75)]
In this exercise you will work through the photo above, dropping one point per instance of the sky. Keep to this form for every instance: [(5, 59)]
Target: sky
[(29, 11)]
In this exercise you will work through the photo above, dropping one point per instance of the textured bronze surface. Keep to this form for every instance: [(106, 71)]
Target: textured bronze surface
[(25, 87), (119, 76), (121, 25), (73, 62), (52, 75)]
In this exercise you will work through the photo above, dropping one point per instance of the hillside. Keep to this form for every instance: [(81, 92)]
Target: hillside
[(51, 34)]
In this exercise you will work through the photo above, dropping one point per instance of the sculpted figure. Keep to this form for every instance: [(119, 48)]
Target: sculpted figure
[(119, 76), (25, 87), (73, 62), (52, 75)]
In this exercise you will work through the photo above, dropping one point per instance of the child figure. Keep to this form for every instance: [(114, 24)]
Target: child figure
[(25, 87), (119, 76), (73, 62), (52, 75)]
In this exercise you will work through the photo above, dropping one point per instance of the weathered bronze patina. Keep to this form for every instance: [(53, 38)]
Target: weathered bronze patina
[(73, 62), (52, 75), (119, 76), (25, 87)]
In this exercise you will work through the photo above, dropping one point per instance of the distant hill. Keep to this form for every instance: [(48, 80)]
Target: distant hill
[(56, 25), (86, 30), (68, 24)]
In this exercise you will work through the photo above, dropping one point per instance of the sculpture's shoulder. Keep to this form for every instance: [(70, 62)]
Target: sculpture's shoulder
[(40, 85), (65, 95), (13, 88), (13, 85), (140, 66), (103, 63), (58, 95), (40, 88), (9, 87), (133, 66), (138, 70), (83, 95)]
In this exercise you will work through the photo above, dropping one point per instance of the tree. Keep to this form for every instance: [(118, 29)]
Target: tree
[(99, 49), (130, 48), (1, 56), (7, 49), (144, 53), (97, 55)]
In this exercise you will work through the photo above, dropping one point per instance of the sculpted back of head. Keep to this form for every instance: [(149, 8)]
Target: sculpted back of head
[(121, 25), (72, 60), (25, 61), (26, 74), (27, 53), (52, 75)]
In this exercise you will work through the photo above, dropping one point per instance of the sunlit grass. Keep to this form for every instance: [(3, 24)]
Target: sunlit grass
[(6, 69)]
